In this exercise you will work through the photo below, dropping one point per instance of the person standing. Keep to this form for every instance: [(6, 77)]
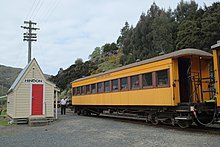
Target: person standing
[(63, 103)]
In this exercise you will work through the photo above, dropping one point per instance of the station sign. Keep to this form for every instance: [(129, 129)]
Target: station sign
[(33, 81)]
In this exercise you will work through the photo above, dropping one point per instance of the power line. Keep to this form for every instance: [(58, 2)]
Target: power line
[(51, 10), (30, 10), (35, 8)]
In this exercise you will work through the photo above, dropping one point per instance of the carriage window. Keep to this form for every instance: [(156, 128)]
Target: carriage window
[(82, 89), (147, 79), (107, 86), (100, 87), (87, 89), (162, 77), (93, 88), (135, 82), (124, 83), (78, 91), (115, 85), (74, 91)]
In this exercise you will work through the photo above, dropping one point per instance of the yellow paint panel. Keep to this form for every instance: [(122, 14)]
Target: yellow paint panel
[(216, 69), (146, 97)]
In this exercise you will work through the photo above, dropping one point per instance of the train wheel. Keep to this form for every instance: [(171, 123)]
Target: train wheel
[(154, 120), (183, 124), (78, 112), (203, 119), (173, 122), (147, 119)]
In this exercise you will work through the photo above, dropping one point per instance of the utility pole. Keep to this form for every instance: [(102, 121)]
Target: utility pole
[(29, 36), (2, 89)]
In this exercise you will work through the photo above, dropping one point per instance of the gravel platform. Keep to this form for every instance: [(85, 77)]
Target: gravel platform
[(82, 131)]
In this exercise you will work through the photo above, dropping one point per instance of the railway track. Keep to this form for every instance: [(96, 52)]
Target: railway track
[(209, 129)]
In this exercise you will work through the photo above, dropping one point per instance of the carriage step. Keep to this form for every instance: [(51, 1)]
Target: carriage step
[(183, 118), (183, 111)]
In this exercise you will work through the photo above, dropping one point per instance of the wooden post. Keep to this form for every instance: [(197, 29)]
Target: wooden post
[(56, 102)]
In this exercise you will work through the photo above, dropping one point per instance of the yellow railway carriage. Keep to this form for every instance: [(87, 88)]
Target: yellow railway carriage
[(174, 88), (216, 59)]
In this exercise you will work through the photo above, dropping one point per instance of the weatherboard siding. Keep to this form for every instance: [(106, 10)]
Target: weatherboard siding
[(49, 94), (23, 100), (10, 104)]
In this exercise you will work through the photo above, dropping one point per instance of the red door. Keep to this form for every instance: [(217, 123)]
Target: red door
[(37, 99)]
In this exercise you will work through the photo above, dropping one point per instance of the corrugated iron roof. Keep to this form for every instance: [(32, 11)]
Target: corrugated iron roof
[(21, 74)]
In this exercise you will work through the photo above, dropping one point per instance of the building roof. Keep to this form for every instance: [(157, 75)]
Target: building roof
[(22, 73), (176, 54)]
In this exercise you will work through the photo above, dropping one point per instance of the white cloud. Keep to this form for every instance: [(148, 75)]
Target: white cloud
[(68, 29)]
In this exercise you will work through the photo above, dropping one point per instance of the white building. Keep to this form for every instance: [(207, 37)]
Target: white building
[(31, 94)]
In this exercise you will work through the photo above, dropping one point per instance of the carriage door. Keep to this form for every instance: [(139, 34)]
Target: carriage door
[(37, 99), (184, 68)]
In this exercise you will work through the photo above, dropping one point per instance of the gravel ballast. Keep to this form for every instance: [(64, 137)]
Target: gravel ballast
[(71, 130)]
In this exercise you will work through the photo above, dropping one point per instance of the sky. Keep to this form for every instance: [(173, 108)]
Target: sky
[(69, 29)]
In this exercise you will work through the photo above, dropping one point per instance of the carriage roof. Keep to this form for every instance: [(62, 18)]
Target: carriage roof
[(176, 54)]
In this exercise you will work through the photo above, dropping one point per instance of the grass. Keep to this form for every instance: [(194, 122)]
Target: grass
[(3, 113), (4, 121)]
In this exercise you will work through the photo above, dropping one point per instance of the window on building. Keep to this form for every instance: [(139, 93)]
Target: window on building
[(87, 89), (78, 91), (115, 85), (93, 88), (162, 77), (124, 83), (135, 82), (147, 79), (100, 87), (107, 86)]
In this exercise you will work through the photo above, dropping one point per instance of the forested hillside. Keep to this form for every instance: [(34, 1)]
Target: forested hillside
[(158, 31), (7, 77)]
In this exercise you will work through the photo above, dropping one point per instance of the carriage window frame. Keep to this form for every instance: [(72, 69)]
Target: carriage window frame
[(82, 88), (100, 89), (115, 83), (167, 84), (107, 87), (74, 91), (122, 83), (78, 90), (143, 80), (88, 91), (133, 84), (93, 89)]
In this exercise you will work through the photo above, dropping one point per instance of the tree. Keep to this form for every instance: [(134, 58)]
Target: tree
[(210, 26), (124, 32), (95, 54), (189, 27), (109, 48), (79, 61), (186, 10), (188, 35)]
